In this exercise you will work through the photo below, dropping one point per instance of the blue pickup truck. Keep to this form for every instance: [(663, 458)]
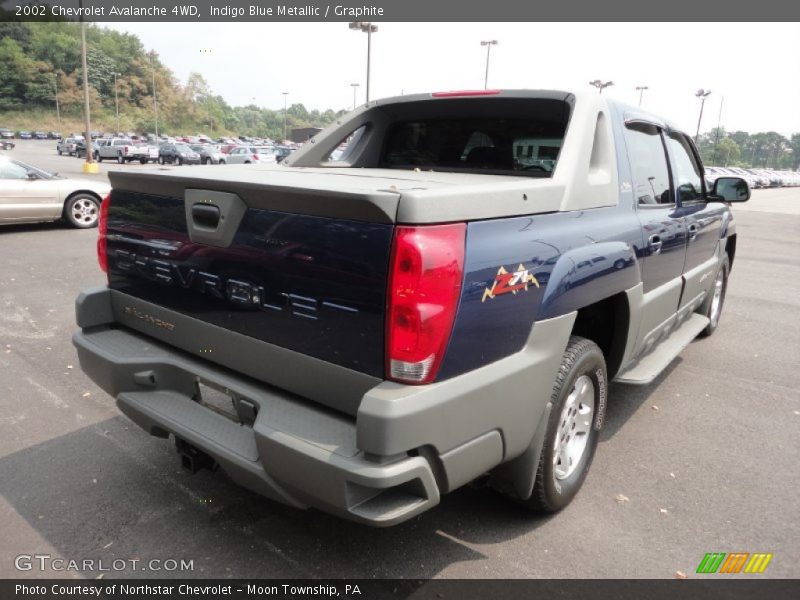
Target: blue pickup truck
[(447, 299)]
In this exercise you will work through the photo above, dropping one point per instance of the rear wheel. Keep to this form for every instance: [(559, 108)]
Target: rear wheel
[(143, 161), (712, 305), (97, 157), (221, 161), (82, 211), (120, 159), (578, 405), (161, 160), (179, 161), (59, 152)]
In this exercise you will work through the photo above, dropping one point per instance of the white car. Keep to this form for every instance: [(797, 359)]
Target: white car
[(245, 155), (31, 195)]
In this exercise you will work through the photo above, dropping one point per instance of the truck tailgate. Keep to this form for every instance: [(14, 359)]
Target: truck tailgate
[(310, 284)]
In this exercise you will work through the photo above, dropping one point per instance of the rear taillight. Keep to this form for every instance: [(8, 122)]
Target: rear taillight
[(426, 271), (102, 234), (255, 156)]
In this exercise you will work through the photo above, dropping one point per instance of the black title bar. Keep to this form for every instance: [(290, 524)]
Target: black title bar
[(701, 588), (404, 10)]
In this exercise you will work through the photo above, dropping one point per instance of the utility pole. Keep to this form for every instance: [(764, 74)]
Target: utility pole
[(116, 100), (58, 109), (488, 44), (355, 87), (716, 137), (155, 102), (285, 94), (89, 166)]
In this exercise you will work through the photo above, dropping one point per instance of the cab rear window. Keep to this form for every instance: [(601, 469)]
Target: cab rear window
[(491, 140)]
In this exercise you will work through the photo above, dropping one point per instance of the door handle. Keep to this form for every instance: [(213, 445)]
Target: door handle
[(654, 243), (693, 229)]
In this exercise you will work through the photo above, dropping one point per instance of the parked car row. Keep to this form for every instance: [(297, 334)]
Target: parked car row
[(756, 178), (218, 154), (7, 134), (175, 153)]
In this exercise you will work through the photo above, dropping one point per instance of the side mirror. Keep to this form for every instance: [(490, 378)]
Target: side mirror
[(32, 176), (730, 189)]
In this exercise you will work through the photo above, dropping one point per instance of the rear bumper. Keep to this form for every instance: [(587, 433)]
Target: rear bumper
[(390, 462), (294, 453)]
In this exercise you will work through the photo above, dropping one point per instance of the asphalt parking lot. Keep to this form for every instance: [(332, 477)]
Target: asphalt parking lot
[(705, 459)]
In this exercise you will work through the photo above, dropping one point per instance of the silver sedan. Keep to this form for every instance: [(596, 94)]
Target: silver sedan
[(32, 195)]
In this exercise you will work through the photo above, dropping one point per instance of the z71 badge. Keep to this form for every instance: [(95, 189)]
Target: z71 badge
[(506, 282)]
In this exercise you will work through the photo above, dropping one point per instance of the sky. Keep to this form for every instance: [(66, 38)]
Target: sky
[(755, 67)]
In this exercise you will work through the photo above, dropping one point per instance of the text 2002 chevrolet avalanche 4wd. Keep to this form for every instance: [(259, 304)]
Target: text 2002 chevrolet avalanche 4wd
[(447, 299)]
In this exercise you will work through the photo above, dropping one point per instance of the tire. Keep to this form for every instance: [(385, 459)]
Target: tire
[(59, 152), (161, 160), (713, 304), (82, 211), (179, 161), (578, 407), (120, 159), (206, 161), (221, 162), (97, 157), (143, 161)]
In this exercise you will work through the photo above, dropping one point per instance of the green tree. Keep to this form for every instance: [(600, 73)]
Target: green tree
[(16, 70), (794, 144), (728, 151)]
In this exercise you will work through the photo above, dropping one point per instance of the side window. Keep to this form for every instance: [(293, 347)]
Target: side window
[(10, 170), (688, 177), (649, 164)]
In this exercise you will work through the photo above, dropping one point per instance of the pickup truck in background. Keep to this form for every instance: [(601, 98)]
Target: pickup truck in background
[(124, 150), (67, 145), (448, 298)]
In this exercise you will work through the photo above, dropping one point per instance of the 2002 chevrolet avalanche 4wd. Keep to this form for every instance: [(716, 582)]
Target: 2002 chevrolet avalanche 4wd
[(449, 298)]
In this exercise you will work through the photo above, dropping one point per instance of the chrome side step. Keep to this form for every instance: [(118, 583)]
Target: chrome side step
[(648, 367)]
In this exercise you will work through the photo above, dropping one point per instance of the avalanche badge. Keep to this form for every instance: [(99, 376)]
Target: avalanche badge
[(506, 282)]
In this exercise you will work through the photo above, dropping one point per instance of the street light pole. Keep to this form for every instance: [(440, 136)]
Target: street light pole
[(355, 87), (488, 44), (285, 94), (702, 94), (58, 109), (369, 29), (600, 85), (641, 90), (116, 100), (155, 101)]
